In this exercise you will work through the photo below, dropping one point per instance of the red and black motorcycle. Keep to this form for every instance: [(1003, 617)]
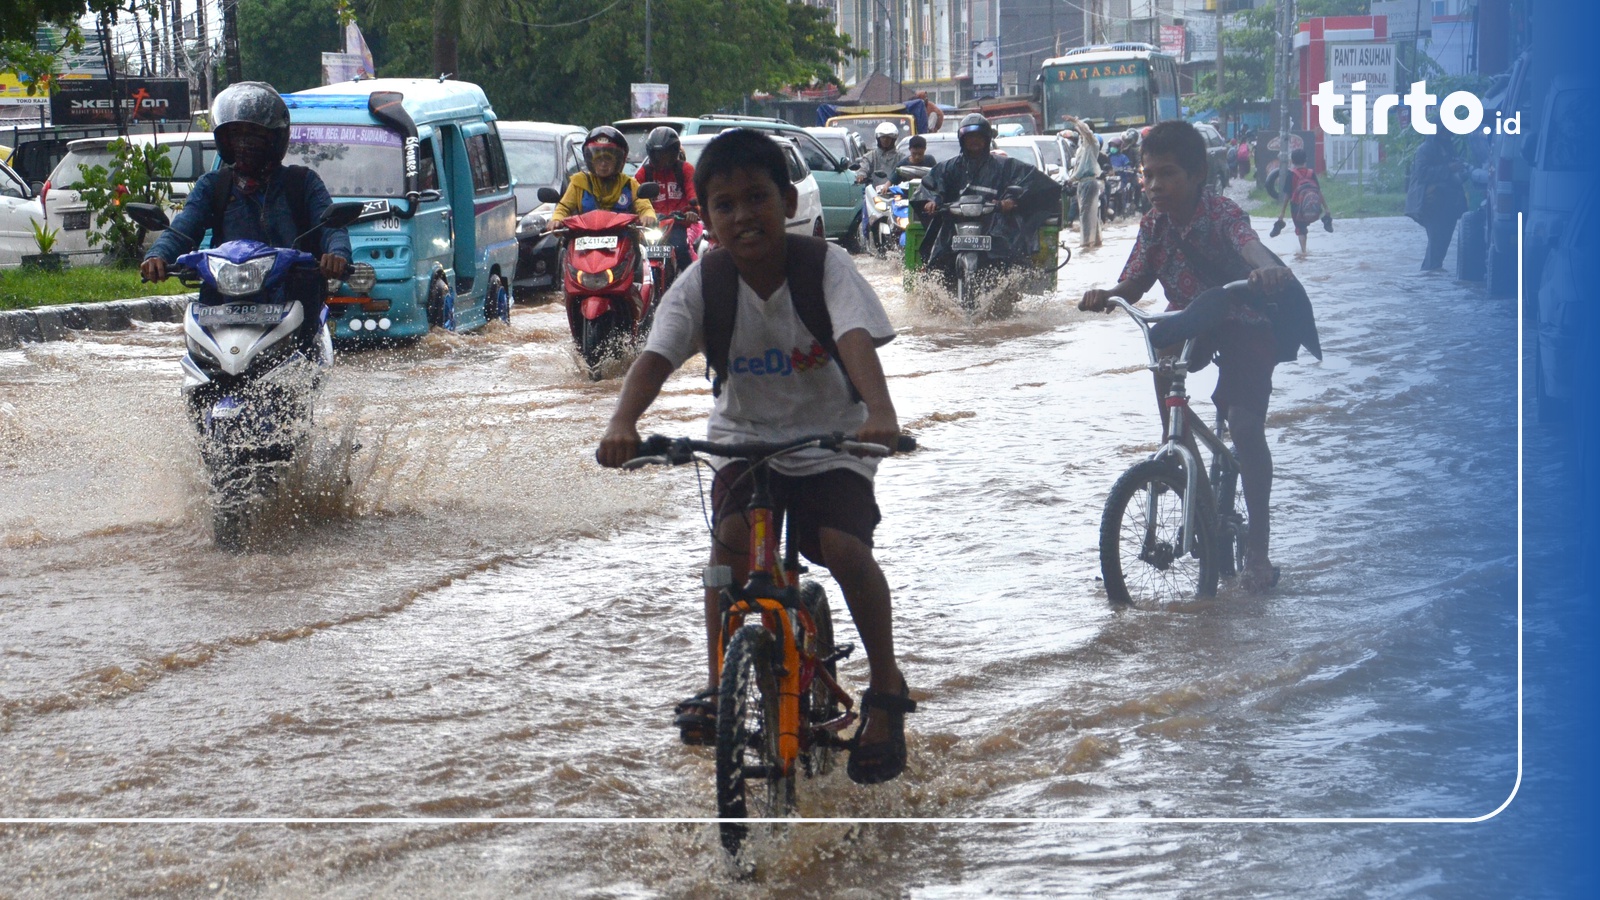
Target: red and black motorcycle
[(659, 252), (610, 291)]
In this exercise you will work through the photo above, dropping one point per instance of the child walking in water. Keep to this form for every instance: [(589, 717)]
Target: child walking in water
[(1303, 200)]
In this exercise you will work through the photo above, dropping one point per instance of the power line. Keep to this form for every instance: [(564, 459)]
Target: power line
[(597, 15)]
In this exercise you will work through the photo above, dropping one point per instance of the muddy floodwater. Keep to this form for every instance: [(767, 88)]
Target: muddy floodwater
[(458, 614)]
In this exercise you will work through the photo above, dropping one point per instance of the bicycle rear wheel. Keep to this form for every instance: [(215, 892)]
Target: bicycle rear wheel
[(1141, 536), (819, 704), (750, 782)]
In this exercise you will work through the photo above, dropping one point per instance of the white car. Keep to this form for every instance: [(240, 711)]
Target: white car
[(19, 210), (1023, 147), (808, 214), (192, 154)]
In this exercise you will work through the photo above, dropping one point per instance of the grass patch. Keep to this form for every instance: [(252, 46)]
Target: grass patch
[(1345, 201), (27, 288)]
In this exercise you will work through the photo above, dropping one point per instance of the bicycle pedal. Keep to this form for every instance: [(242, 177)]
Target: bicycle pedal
[(842, 652)]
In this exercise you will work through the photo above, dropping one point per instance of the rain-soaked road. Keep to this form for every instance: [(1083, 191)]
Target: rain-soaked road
[(461, 615)]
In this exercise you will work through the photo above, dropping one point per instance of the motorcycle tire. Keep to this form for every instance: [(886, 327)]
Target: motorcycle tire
[(596, 342)]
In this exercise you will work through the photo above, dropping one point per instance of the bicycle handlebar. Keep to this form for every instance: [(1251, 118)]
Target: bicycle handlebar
[(1146, 319), (659, 450)]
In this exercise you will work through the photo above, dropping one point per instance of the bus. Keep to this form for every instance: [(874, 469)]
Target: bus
[(1111, 86)]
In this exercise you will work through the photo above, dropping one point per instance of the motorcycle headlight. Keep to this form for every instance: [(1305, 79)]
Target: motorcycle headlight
[(241, 279), (901, 223), (594, 281), (361, 278), (652, 235), (879, 205), (531, 225)]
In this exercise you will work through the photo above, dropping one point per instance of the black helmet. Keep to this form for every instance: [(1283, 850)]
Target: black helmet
[(603, 136), (976, 122), (662, 140), (252, 103)]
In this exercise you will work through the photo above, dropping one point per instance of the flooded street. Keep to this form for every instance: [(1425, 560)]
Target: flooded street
[(460, 615)]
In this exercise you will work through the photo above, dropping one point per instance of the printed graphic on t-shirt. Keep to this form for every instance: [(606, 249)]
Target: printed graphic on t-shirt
[(776, 362)]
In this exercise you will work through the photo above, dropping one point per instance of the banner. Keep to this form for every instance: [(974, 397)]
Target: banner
[(14, 92), (90, 101), (356, 45), (986, 63), (649, 100), (341, 67), (1173, 39)]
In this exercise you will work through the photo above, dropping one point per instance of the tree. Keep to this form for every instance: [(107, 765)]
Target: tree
[(281, 41), (20, 21), (1247, 65)]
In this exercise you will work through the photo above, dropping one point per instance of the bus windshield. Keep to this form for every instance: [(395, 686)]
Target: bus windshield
[(1106, 95), (352, 160)]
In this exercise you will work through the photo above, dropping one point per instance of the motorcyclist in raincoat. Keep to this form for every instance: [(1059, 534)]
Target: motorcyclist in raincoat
[(1027, 195)]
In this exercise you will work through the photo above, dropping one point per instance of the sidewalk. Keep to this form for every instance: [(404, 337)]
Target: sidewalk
[(53, 323)]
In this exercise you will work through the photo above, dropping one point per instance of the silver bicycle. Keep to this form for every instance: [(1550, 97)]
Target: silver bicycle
[(1172, 526)]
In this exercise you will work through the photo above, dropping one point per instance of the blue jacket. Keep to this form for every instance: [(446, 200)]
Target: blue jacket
[(247, 217)]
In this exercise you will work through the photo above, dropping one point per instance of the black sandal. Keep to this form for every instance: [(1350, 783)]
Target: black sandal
[(696, 718), (877, 763)]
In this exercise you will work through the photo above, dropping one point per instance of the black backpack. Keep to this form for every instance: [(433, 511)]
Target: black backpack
[(294, 186), (719, 286)]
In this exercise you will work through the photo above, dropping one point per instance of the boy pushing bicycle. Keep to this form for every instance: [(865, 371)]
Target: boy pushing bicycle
[(1194, 242), (791, 330)]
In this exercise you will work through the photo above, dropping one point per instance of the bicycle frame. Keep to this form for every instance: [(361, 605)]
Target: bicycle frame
[(772, 591), (1180, 422)]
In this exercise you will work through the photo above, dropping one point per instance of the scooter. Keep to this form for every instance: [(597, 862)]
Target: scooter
[(877, 222), (660, 256), (609, 292), (900, 209), (253, 362), (971, 245)]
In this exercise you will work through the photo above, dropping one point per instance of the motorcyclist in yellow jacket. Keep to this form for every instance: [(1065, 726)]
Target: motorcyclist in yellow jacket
[(604, 186)]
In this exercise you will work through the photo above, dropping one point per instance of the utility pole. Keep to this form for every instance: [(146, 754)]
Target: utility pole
[(202, 43), (1285, 27), (179, 60), (230, 40), (1220, 87), (649, 74)]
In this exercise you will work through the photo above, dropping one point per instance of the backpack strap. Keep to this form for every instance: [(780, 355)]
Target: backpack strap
[(221, 195), (719, 286)]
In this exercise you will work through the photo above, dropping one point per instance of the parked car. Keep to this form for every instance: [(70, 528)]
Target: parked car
[(440, 228), (19, 212), (1024, 148), (1562, 170), (836, 183), (539, 154), (1216, 154), (1563, 291), (841, 142), (192, 155), (808, 214), (1507, 172)]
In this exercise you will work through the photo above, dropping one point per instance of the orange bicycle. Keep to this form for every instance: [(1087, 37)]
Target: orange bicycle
[(779, 706)]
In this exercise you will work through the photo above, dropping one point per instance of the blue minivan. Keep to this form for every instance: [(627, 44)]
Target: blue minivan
[(439, 228)]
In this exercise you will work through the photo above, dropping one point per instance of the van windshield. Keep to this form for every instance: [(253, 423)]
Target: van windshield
[(353, 160)]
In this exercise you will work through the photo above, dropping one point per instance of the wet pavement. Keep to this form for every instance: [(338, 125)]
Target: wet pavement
[(457, 614)]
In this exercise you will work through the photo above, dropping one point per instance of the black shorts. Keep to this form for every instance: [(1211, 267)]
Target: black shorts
[(840, 499)]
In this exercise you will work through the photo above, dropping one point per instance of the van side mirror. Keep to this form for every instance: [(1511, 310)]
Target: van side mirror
[(649, 190), (148, 216), (339, 215), (429, 195), (549, 195)]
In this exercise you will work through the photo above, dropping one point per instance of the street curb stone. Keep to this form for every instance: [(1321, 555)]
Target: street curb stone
[(54, 323)]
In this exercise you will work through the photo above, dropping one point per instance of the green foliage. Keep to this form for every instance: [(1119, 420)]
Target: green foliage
[(547, 59), (44, 238), (281, 42), (1246, 65), (28, 288), (138, 174)]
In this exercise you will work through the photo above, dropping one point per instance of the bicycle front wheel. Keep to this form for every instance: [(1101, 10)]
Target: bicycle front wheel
[(1141, 539), (750, 778)]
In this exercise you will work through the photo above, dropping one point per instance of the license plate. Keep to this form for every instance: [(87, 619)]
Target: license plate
[(389, 224), (591, 242), (970, 242), (75, 221), (657, 251), (241, 314)]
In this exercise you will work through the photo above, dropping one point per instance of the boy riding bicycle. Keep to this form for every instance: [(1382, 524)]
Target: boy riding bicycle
[(1193, 242), (777, 380)]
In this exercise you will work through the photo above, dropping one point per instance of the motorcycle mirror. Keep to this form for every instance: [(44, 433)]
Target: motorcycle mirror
[(841, 165), (649, 190), (148, 216), (855, 167), (549, 195), (338, 215)]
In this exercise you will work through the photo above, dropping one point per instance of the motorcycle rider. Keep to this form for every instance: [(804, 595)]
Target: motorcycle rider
[(664, 164), (1026, 195), (267, 201), (883, 158), (602, 185), (916, 155)]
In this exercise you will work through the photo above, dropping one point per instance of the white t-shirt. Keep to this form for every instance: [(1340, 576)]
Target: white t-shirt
[(781, 383)]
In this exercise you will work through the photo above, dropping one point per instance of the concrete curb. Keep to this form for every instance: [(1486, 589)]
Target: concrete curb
[(54, 323)]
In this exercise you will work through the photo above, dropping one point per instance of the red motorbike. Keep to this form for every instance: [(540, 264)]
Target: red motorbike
[(658, 249), (610, 292)]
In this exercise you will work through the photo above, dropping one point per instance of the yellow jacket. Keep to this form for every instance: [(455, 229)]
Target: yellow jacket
[(586, 193)]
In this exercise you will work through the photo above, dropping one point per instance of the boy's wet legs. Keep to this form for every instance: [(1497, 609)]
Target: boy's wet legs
[(1249, 430), (866, 592)]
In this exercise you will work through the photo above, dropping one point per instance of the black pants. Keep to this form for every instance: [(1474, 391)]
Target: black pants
[(678, 237), (1439, 233)]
